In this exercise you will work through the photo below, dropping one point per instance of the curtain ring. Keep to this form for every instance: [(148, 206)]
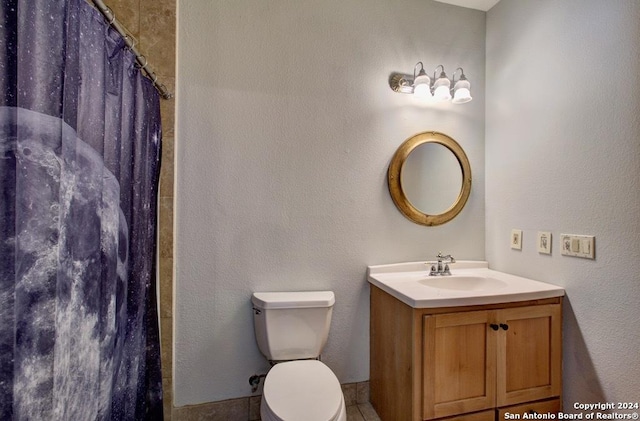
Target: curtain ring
[(129, 42), (141, 66), (113, 15)]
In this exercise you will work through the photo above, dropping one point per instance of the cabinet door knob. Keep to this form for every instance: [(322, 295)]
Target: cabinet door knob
[(504, 326), (494, 326)]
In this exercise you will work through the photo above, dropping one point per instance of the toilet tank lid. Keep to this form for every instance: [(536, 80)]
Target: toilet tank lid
[(306, 299)]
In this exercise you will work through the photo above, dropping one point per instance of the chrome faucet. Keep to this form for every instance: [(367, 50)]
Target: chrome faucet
[(441, 267)]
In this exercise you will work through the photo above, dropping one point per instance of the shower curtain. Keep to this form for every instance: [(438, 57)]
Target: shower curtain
[(79, 161)]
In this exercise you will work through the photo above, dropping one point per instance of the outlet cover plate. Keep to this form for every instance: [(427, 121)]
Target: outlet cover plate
[(516, 239), (544, 242), (578, 245)]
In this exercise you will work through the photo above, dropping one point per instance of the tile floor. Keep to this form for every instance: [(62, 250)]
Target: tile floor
[(356, 397), (362, 412)]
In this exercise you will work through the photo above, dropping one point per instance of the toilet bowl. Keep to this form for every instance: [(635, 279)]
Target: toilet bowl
[(291, 329), (302, 391)]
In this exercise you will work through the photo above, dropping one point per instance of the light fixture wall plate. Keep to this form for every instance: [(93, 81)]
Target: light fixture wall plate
[(401, 83)]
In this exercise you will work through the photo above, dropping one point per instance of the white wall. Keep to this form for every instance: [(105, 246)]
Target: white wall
[(285, 127), (562, 155)]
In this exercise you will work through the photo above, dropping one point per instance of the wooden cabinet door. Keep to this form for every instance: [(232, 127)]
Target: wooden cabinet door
[(529, 360), (459, 354)]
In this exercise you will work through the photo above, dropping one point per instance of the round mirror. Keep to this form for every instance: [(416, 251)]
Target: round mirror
[(430, 178)]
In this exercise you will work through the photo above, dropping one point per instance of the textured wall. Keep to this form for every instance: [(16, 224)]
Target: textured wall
[(286, 126), (562, 155)]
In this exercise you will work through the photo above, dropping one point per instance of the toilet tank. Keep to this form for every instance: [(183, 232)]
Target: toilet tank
[(292, 325)]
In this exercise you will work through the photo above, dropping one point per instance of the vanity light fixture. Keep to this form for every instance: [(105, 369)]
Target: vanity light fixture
[(461, 88), (421, 83), (438, 88)]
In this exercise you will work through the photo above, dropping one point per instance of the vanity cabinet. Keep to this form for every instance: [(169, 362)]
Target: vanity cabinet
[(464, 363)]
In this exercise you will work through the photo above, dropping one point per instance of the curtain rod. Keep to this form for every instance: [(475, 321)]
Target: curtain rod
[(140, 59)]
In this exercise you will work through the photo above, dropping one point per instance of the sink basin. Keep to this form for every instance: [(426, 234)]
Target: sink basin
[(463, 283), (470, 283)]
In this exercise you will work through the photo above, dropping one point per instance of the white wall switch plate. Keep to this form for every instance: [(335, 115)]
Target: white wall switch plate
[(516, 239), (578, 245), (544, 242)]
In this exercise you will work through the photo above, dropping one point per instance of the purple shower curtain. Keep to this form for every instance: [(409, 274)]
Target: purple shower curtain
[(79, 161)]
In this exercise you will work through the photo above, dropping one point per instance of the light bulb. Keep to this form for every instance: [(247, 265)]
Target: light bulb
[(422, 86), (441, 89), (461, 92)]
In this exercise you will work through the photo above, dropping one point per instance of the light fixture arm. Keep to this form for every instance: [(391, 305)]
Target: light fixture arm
[(421, 70), (442, 74), (462, 76)]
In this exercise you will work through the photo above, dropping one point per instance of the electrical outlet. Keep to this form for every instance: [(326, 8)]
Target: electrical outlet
[(516, 239), (578, 245)]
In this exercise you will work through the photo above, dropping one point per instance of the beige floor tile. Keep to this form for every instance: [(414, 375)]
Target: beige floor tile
[(232, 409), (368, 413), (362, 393), (353, 414), (349, 392), (254, 408)]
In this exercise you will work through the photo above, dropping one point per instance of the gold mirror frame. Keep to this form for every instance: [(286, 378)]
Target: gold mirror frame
[(394, 177)]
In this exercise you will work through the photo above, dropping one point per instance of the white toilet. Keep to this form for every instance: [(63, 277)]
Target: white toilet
[(291, 330)]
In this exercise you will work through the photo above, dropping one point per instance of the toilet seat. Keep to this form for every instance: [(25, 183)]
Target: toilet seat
[(302, 390)]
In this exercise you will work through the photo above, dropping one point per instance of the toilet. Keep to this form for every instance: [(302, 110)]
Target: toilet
[(291, 330)]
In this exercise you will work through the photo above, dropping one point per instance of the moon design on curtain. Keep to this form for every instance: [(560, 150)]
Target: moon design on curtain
[(79, 162)]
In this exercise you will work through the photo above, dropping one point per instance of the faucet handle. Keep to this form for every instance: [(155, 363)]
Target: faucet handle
[(448, 257), (446, 270)]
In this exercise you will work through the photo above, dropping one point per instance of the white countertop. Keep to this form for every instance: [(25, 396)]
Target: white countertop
[(470, 283)]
